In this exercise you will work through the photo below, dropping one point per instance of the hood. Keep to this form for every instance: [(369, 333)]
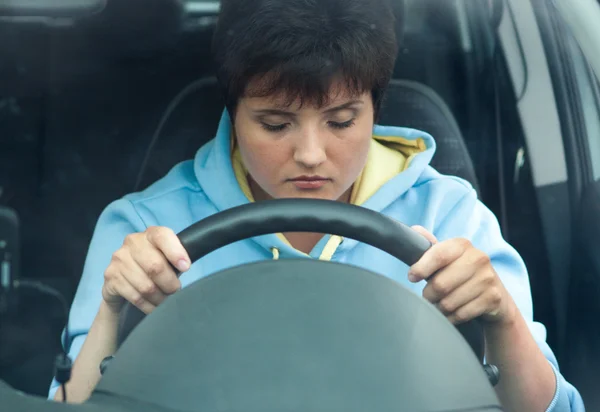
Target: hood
[(397, 158)]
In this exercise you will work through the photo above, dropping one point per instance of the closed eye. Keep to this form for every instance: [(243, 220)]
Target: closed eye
[(344, 125), (274, 127)]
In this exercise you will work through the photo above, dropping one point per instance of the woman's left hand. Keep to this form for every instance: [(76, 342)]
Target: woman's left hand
[(462, 283)]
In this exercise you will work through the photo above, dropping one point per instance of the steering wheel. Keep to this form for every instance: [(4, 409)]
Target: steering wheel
[(298, 334), (304, 215)]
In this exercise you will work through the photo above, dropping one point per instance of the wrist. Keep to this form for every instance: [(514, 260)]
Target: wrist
[(511, 321), (105, 328), (107, 314)]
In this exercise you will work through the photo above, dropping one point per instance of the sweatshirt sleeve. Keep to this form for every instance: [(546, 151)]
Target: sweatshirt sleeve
[(117, 221), (471, 219)]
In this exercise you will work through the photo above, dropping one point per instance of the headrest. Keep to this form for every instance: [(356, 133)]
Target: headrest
[(137, 26)]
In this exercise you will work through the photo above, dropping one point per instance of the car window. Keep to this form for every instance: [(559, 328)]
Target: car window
[(587, 88), (589, 93), (576, 38)]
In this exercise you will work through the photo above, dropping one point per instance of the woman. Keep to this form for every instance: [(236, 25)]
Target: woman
[(303, 82)]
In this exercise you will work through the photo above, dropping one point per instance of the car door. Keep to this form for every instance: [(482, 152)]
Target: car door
[(572, 44)]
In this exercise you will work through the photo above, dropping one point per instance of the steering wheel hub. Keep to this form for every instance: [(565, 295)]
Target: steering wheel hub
[(298, 335)]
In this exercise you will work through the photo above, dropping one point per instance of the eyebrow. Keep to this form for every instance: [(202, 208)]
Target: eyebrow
[(279, 112), (344, 106)]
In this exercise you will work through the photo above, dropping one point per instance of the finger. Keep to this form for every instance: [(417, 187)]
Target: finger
[(137, 277), (438, 257), (486, 305), (165, 240), (425, 233), (466, 292), (129, 293), (470, 311), (449, 280), (156, 268)]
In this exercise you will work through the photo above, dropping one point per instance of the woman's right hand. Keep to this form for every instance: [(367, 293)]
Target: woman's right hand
[(142, 270)]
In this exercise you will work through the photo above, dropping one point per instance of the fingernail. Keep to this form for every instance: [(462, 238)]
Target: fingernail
[(183, 265), (412, 277)]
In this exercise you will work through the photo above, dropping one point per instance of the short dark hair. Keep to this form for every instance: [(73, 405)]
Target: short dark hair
[(301, 47)]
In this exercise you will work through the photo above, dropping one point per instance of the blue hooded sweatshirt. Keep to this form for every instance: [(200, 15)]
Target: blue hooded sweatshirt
[(397, 181)]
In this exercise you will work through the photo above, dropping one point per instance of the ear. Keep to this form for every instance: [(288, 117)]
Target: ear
[(232, 138), (232, 110)]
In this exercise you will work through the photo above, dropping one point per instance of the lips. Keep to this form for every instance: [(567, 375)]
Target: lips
[(308, 178), (309, 182)]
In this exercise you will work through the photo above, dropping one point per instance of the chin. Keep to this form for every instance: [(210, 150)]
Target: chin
[(308, 194)]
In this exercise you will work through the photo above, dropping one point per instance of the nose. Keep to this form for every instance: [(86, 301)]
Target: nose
[(310, 149)]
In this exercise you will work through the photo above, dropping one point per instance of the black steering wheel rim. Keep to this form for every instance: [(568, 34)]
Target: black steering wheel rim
[(303, 215)]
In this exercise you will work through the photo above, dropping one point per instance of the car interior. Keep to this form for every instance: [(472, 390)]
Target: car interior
[(96, 108)]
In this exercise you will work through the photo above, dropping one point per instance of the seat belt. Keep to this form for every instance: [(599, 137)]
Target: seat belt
[(503, 218), (496, 11)]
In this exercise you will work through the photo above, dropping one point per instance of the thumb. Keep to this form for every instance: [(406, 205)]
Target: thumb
[(425, 233)]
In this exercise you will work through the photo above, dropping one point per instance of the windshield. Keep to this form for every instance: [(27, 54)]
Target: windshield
[(98, 101)]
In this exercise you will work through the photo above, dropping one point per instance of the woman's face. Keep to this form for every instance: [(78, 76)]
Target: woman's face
[(304, 152)]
